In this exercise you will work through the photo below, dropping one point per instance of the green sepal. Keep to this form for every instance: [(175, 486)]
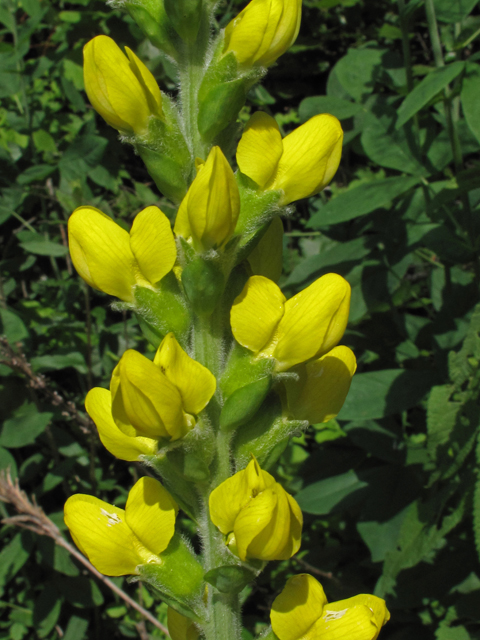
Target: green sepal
[(243, 368), (220, 107), (167, 173), (244, 403), (179, 576), (164, 310), (204, 282), (257, 208), (265, 435), (185, 16), (222, 93), (151, 17), (189, 465), (229, 578), (269, 635)]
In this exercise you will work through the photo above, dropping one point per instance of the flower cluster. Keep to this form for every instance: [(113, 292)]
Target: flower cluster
[(234, 368)]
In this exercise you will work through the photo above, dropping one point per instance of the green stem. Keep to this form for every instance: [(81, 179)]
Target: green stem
[(407, 58), (223, 620)]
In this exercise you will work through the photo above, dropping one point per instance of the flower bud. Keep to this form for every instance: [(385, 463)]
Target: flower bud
[(291, 331), (120, 88), (301, 610), (209, 212), (259, 517), (300, 165), (117, 541), (110, 259), (263, 31), (322, 386), (185, 16)]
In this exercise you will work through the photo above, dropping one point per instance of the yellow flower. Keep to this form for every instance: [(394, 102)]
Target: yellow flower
[(117, 541), (259, 517), (291, 331), (181, 627), (110, 259), (300, 165), (263, 31), (301, 612), (121, 89), (150, 400), (267, 257), (209, 212), (323, 384)]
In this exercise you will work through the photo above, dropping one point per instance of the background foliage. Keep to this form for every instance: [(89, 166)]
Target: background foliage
[(390, 490)]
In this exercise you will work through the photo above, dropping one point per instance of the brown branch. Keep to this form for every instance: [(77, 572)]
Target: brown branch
[(33, 518), (16, 360), (324, 574)]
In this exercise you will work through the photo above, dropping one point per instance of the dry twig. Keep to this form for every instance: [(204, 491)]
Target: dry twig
[(16, 360), (32, 517)]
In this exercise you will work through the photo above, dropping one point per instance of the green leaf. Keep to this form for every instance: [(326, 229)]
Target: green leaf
[(315, 266), (76, 629), (361, 200), (24, 428), (46, 610), (358, 70), (381, 537), (388, 147), (470, 97), (476, 502), (59, 361), (79, 591), (453, 10), (445, 632), (41, 246), (441, 417), (82, 155), (426, 90), (341, 109), (7, 461), (13, 556), (229, 579), (12, 326), (376, 394), (36, 173), (321, 498)]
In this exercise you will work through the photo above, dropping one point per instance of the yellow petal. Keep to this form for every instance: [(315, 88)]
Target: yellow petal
[(321, 391), (355, 622), (148, 83), (272, 542), (311, 155), (180, 627), (112, 87), (153, 244), (100, 251), (252, 519), (256, 313), (296, 525), (376, 605), (212, 204), (98, 404), (195, 382), (314, 321), (298, 607), (152, 403), (260, 148), (227, 500), (104, 536), (150, 513)]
